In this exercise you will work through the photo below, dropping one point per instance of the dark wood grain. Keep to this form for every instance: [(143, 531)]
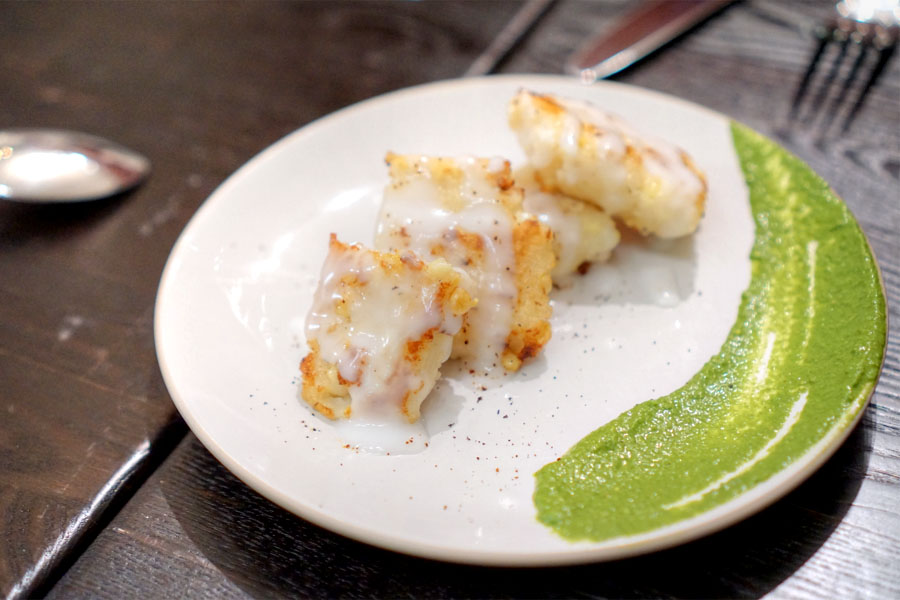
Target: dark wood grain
[(199, 88), (194, 529)]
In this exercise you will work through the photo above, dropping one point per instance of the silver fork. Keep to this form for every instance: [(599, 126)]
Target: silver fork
[(862, 31)]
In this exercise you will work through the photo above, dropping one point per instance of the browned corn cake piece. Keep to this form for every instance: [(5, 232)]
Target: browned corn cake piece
[(468, 211), (583, 152), (379, 329)]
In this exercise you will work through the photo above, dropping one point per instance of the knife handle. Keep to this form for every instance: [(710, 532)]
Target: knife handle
[(647, 28)]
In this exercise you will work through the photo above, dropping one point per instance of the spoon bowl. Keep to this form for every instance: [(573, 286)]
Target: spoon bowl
[(54, 165)]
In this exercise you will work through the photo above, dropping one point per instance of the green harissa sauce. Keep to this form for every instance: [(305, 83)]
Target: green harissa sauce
[(800, 361)]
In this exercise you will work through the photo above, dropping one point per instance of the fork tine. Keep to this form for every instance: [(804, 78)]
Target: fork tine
[(884, 55), (868, 34), (841, 36), (862, 41), (824, 34)]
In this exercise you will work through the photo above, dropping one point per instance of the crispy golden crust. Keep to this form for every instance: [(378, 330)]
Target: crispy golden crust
[(325, 389), (535, 259), (649, 185), (469, 243), (449, 177), (459, 183), (419, 355), (700, 200)]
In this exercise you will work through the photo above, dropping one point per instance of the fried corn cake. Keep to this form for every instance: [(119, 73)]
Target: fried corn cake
[(380, 326), (468, 211), (578, 150)]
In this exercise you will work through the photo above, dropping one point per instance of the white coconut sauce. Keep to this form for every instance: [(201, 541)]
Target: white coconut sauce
[(385, 312), (418, 215), (566, 228), (661, 159)]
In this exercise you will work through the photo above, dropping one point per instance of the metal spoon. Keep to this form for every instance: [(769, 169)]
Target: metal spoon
[(53, 165)]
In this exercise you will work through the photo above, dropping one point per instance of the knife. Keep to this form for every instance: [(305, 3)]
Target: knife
[(640, 32)]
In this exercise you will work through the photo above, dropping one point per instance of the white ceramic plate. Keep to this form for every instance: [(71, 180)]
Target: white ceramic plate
[(236, 289)]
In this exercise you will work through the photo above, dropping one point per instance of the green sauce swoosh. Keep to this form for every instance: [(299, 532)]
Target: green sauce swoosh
[(801, 360)]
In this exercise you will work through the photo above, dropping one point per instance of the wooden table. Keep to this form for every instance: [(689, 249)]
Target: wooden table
[(104, 492)]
